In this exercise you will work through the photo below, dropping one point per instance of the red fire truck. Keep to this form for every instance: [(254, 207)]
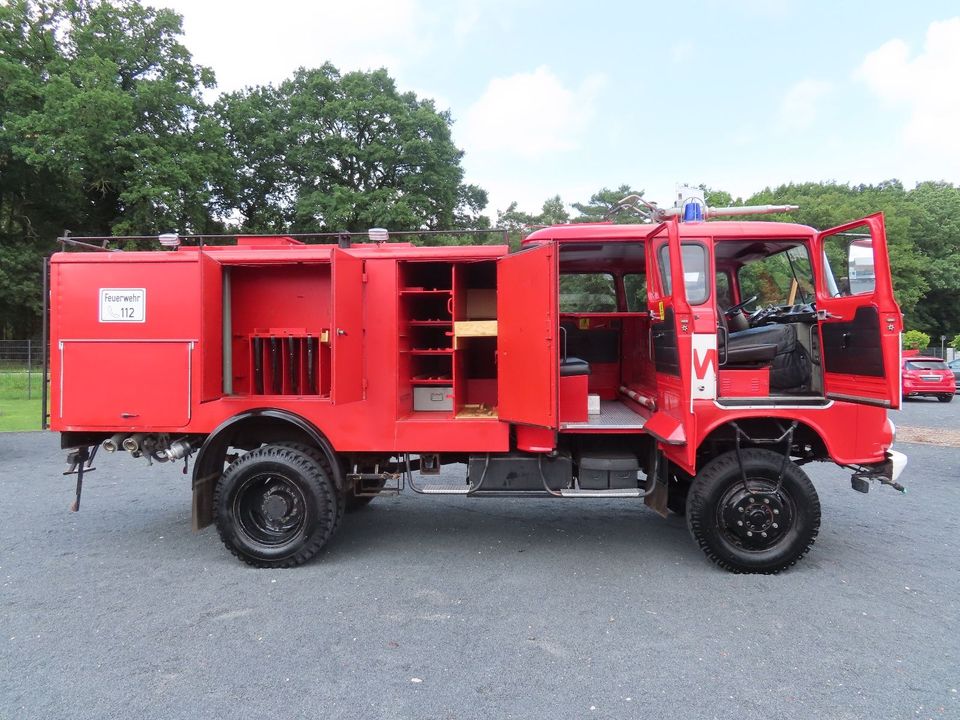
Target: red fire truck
[(694, 365)]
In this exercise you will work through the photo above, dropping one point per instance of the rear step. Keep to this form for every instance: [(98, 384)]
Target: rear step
[(437, 489), (626, 493)]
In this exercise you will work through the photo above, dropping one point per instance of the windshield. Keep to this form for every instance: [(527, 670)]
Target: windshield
[(784, 278)]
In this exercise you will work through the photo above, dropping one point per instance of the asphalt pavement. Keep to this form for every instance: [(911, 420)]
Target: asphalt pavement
[(446, 607)]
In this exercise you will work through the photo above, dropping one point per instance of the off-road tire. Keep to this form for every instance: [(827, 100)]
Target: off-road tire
[(299, 483), (711, 508), (321, 459), (945, 397)]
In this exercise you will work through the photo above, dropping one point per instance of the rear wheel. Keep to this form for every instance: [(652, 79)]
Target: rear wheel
[(758, 527), (276, 507), (946, 397)]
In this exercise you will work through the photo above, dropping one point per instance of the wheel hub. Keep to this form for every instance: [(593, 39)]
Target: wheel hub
[(274, 507), (755, 519), (270, 509)]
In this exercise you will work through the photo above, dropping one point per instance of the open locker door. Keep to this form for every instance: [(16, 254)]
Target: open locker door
[(528, 363), (671, 333), (860, 322), (347, 332)]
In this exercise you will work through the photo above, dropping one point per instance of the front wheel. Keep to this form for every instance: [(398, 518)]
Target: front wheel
[(758, 527), (275, 506), (946, 397)]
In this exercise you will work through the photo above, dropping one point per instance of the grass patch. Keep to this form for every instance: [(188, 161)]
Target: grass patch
[(18, 415), (16, 411)]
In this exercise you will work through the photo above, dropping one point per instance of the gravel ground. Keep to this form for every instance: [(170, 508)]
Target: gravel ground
[(465, 608), (927, 420)]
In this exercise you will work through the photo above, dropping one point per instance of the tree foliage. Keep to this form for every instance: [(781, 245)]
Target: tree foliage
[(915, 340), (326, 152), (104, 131)]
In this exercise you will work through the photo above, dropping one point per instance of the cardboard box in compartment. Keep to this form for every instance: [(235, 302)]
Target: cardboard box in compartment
[(481, 304)]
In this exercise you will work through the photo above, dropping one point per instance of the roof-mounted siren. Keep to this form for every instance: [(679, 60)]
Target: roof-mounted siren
[(691, 203)]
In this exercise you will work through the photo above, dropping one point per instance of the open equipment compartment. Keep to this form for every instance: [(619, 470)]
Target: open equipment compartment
[(447, 338), (280, 347)]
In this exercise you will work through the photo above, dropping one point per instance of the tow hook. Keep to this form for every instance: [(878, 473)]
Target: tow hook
[(886, 473)]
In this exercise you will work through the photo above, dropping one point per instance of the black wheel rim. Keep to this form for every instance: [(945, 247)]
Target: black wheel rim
[(270, 508), (757, 517)]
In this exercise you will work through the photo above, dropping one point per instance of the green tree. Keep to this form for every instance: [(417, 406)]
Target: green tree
[(324, 152), (600, 203), (102, 131), (915, 340), (825, 205)]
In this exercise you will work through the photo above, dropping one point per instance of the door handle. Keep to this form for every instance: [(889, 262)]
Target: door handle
[(341, 332)]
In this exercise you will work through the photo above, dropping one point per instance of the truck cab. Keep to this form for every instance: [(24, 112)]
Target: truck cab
[(696, 366)]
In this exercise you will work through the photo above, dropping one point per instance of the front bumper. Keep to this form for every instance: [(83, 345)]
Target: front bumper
[(886, 472)]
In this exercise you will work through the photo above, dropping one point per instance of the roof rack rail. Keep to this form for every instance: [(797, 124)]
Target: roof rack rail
[(101, 243)]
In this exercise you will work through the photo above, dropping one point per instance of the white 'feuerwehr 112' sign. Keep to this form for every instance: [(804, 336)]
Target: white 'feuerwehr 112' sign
[(123, 305)]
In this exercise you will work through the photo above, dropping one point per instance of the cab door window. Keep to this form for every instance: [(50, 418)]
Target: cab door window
[(694, 261), (848, 263)]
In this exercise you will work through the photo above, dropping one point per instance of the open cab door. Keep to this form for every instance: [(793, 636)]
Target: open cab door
[(671, 330), (860, 322), (528, 325)]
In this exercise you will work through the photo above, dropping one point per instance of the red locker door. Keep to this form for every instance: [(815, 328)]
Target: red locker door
[(347, 332), (125, 384), (528, 362)]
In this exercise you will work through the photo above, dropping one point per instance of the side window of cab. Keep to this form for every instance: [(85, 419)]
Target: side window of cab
[(587, 292)]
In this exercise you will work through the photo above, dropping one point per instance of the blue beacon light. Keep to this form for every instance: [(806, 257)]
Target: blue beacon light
[(692, 212)]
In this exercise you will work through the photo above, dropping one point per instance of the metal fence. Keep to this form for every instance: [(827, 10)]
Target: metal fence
[(21, 369)]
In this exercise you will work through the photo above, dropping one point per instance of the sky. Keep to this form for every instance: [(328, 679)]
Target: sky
[(566, 98)]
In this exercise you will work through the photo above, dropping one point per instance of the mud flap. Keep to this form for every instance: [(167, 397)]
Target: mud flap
[(202, 509), (657, 499)]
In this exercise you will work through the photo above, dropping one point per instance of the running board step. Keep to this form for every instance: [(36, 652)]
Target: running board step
[(441, 489), (626, 493)]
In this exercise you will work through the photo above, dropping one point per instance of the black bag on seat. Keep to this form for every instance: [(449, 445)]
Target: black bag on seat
[(790, 367)]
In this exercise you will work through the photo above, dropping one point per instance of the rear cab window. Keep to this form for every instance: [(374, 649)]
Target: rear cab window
[(587, 292)]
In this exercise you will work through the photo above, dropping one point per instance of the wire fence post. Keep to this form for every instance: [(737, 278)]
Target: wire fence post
[(29, 368)]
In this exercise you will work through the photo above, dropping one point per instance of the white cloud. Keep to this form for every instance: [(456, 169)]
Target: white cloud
[(925, 84), (249, 46), (798, 108), (529, 114)]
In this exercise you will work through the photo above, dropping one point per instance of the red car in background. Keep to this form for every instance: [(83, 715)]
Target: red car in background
[(927, 376)]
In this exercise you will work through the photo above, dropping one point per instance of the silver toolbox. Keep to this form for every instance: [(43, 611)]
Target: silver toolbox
[(433, 397)]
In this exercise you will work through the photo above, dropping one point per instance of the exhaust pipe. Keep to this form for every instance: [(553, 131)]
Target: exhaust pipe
[(133, 443), (114, 442)]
